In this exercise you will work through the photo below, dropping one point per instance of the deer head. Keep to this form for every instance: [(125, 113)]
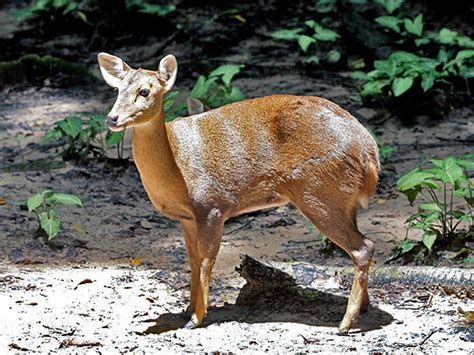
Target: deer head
[(140, 91)]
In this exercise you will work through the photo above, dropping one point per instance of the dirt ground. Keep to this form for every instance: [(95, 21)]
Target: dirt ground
[(116, 277), (46, 308)]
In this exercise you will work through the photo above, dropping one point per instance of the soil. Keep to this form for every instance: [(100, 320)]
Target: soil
[(116, 276)]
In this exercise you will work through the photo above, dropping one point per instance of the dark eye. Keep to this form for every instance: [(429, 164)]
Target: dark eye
[(144, 92)]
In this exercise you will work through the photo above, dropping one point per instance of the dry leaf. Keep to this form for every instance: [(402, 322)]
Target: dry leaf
[(136, 261), (240, 18), (3, 201), (77, 227)]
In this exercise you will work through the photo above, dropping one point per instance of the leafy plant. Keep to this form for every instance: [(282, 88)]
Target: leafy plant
[(147, 8), (403, 26), (85, 137), (213, 91), (311, 36), (52, 7), (43, 205), (438, 218), (401, 70), (216, 89)]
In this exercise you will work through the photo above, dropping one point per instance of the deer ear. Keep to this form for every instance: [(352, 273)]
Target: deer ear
[(167, 71), (113, 69), (195, 106)]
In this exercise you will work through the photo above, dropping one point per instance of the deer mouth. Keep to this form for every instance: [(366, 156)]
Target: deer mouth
[(115, 126)]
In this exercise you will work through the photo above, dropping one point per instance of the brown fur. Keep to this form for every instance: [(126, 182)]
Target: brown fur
[(250, 155)]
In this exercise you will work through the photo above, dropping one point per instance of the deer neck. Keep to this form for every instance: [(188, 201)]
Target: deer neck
[(158, 170)]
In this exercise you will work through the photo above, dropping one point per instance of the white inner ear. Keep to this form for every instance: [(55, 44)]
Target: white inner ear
[(195, 106), (167, 70), (113, 69)]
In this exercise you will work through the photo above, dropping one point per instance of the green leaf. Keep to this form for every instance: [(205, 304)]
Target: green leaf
[(312, 59), (401, 85), (325, 34), (71, 126), (226, 72), (53, 134), (305, 41), (446, 36), (288, 34), (390, 22), (415, 177), (406, 245), (333, 56), (82, 16), (452, 170), (404, 57), (359, 75), (390, 5), (412, 193), (113, 138), (429, 240), (388, 67), (49, 223), (64, 199), (34, 202), (416, 26), (373, 87), (464, 54), (201, 87), (427, 80), (431, 207)]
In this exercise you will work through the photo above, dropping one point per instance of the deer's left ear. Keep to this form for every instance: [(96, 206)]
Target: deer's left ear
[(167, 71)]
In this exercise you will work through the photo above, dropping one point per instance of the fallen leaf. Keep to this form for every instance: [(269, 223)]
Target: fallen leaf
[(136, 261), (380, 202), (77, 227), (85, 281), (3, 201)]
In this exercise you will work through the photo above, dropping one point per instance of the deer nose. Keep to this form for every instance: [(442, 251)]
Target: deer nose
[(112, 120)]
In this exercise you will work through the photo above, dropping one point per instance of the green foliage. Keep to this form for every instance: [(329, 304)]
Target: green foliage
[(309, 36), (151, 9), (438, 217), (52, 7), (216, 89), (85, 137), (43, 205), (401, 70), (403, 26)]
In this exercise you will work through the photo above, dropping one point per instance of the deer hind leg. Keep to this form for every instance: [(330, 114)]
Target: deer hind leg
[(203, 248), (338, 223)]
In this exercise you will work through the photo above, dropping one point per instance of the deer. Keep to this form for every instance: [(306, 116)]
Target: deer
[(246, 156)]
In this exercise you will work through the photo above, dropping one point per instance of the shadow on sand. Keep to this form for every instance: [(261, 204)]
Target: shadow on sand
[(311, 307)]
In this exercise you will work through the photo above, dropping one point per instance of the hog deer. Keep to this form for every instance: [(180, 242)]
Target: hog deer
[(242, 157)]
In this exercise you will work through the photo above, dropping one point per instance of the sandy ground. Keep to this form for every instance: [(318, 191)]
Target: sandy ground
[(123, 309), (43, 307)]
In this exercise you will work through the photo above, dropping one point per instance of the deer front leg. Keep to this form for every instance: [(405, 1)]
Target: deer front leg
[(207, 237), (194, 263)]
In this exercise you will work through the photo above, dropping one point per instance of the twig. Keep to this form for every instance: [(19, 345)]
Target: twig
[(246, 224), (308, 341), (424, 340)]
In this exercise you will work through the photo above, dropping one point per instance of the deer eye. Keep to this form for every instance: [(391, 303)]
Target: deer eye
[(144, 92)]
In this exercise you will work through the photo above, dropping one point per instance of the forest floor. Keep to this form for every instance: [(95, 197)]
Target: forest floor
[(118, 227), (117, 277)]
